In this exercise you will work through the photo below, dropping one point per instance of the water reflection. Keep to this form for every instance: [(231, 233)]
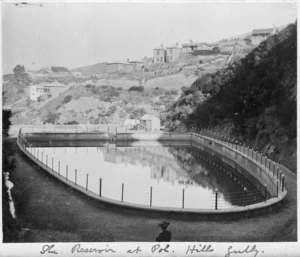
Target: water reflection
[(182, 177)]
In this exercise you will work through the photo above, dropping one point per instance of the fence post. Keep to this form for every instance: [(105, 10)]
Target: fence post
[(265, 192), (58, 167), (245, 195), (100, 187), (42, 157), (75, 176), (122, 192), (38, 154), (277, 188), (216, 200), (66, 172), (183, 198), (280, 176), (87, 181), (282, 189), (34, 151), (150, 196)]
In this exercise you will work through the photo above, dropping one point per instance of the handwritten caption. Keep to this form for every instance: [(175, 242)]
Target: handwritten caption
[(155, 249)]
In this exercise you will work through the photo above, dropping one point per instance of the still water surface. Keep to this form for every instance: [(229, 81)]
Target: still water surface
[(160, 176)]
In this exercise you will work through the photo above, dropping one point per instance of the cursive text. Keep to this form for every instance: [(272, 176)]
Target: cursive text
[(47, 249), (78, 249), (248, 249)]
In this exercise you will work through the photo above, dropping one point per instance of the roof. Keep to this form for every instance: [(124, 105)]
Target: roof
[(149, 117), (55, 84), (262, 31)]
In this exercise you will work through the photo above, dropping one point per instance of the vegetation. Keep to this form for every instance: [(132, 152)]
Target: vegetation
[(20, 76), (6, 115), (257, 95), (59, 69), (11, 227), (137, 88)]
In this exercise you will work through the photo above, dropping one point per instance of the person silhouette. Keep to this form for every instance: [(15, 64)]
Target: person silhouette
[(165, 235)]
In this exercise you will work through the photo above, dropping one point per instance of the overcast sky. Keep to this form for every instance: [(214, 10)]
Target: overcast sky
[(79, 34)]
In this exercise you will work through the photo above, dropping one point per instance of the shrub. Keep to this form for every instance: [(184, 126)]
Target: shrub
[(52, 118), (67, 99), (137, 88), (73, 122)]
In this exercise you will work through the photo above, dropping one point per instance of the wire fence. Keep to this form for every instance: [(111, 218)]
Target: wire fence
[(173, 197)]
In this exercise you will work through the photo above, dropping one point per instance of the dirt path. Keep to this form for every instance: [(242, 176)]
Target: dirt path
[(54, 212)]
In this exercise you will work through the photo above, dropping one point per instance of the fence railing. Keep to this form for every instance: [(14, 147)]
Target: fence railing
[(249, 156)]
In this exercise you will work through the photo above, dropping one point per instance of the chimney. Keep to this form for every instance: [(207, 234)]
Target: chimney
[(176, 43), (127, 59)]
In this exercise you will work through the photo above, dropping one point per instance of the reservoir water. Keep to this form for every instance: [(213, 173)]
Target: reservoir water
[(175, 176)]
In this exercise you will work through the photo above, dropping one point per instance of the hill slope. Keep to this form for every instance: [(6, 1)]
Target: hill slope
[(253, 99)]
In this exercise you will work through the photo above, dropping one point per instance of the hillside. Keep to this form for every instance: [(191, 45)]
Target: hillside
[(98, 68), (94, 95), (253, 99)]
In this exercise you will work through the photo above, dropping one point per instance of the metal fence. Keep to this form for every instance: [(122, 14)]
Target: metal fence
[(185, 198)]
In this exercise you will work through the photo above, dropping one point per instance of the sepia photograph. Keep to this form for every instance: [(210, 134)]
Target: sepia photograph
[(171, 126)]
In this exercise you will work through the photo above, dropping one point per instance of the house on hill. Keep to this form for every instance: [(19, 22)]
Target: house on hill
[(159, 54), (51, 90), (173, 52), (259, 35)]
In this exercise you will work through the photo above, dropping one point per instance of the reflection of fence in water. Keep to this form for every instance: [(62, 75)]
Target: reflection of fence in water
[(185, 198)]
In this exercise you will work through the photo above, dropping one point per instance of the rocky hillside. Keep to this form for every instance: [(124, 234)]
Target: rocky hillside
[(253, 99)]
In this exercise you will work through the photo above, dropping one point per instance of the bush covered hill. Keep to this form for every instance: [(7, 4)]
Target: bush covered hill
[(253, 99)]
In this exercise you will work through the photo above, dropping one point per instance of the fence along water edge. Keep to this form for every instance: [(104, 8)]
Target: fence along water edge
[(81, 179)]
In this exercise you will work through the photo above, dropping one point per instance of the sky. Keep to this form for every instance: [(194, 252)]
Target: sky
[(75, 34)]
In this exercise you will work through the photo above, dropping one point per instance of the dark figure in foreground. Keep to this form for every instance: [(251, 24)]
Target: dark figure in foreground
[(164, 236)]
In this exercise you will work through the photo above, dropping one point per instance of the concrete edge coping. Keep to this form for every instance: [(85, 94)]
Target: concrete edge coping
[(261, 205)]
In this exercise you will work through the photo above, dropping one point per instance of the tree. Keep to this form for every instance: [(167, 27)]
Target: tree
[(6, 115), (19, 70), (21, 76)]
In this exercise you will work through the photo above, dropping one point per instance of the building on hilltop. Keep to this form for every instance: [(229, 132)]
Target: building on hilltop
[(173, 52), (159, 54), (259, 35)]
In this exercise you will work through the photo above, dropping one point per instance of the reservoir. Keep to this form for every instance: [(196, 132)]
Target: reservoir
[(151, 175)]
